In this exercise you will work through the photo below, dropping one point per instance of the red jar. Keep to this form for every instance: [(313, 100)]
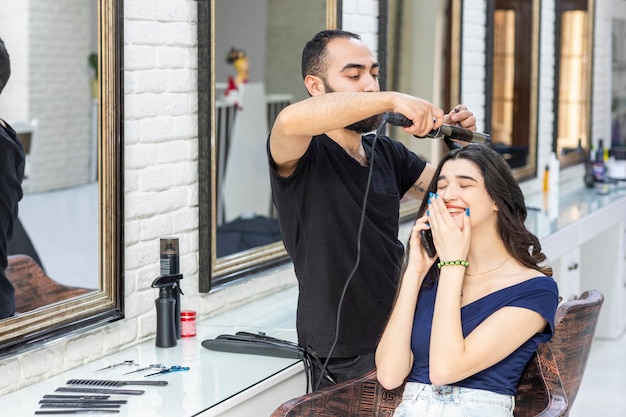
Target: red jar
[(187, 323)]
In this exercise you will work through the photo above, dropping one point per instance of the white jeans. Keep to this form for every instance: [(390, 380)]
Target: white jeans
[(421, 400)]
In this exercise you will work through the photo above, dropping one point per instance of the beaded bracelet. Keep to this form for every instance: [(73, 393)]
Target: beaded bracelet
[(452, 263)]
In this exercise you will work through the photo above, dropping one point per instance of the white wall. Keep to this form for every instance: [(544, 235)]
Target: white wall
[(49, 43), (160, 173), (14, 33)]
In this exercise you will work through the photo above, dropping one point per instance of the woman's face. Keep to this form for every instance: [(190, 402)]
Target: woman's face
[(461, 185)]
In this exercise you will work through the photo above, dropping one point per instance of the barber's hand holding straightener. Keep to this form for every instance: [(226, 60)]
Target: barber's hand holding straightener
[(459, 124)]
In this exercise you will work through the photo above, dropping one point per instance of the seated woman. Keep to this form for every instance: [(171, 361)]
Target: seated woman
[(466, 321)]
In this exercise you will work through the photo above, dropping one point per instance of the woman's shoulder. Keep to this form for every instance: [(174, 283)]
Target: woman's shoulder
[(538, 286), (540, 281), (534, 283)]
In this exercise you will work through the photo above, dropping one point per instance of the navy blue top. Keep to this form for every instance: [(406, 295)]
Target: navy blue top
[(538, 294)]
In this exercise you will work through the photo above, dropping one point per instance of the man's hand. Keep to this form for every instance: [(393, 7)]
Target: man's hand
[(461, 116)]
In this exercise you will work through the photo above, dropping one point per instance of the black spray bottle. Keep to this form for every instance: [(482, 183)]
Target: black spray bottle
[(169, 262), (165, 309)]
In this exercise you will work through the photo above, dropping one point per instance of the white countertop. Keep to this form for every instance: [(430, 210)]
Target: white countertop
[(547, 216), (213, 377), (217, 379)]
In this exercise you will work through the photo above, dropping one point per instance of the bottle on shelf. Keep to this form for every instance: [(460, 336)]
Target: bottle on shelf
[(598, 166), (599, 169)]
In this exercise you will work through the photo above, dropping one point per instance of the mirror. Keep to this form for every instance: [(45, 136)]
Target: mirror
[(238, 227), (512, 82), (618, 99), (77, 134), (416, 65), (574, 45)]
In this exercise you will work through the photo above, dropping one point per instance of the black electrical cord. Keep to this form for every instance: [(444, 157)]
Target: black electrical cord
[(358, 248)]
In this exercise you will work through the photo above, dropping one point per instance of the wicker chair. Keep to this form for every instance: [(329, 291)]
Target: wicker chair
[(543, 389), (574, 327), (33, 288)]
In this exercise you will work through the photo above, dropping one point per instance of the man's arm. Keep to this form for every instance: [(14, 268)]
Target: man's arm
[(418, 190), (298, 123)]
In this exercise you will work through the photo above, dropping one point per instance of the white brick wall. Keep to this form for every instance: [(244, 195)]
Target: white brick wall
[(160, 149), (473, 58), (160, 172), (361, 16)]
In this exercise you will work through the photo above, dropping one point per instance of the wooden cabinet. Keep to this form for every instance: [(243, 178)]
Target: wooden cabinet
[(566, 271)]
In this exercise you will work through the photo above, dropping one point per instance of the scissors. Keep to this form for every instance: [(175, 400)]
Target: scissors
[(170, 369), (145, 368), (129, 363)]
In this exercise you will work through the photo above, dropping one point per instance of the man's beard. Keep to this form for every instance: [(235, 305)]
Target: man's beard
[(367, 125), (364, 126)]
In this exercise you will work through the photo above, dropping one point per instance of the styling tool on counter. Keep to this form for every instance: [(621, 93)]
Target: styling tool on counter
[(168, 370), (111, 383), (78, 411), (166, 309), (145, 368), (80, 405), (111, 391), (115, 365), (79, 401), (76, 397), (262, 344), (256, 344)]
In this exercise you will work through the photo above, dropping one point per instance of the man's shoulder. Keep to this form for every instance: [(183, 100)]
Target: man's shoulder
[(9, 141)]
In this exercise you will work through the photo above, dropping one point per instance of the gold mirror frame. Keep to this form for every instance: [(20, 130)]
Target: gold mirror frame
[(33, 328), (211, 269)]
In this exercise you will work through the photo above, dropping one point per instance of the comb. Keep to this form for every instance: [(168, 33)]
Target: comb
[(79, 411), (80, 405), (101, 390), (112, 383)]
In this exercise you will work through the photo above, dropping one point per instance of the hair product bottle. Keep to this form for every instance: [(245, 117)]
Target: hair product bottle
[(169, 262)]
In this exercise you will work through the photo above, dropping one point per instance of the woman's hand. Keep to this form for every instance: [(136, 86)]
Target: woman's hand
[(450, 235)]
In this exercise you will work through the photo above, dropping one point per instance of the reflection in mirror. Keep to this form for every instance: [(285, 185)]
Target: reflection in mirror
[(419, 66), (249, 69), (512, 67), (618, 99), (572, 122), (63, 98)]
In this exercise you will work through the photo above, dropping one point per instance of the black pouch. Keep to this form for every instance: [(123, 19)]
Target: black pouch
[(255, 344), (262, 344)]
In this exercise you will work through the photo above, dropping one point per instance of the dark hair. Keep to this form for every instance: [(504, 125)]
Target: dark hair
[(502, 187), (235, 54), (5, 65), (314, 52)]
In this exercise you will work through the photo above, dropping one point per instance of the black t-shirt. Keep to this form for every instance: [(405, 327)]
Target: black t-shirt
[(11, 175), (319, 210)]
